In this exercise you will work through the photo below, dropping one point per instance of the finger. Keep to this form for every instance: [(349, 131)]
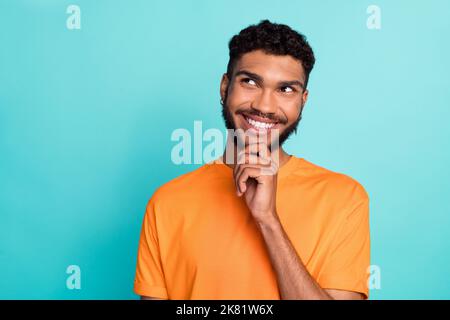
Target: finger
[(235, 171), (257, 153), (268, 166), (262, 145), (236, 174), (241, 168), (245, 174), (255, 172), (246, 156)]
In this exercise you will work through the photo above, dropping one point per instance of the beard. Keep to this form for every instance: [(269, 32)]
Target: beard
[(284, 135)]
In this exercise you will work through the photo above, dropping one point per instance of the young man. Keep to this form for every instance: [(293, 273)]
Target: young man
[(232, 230)]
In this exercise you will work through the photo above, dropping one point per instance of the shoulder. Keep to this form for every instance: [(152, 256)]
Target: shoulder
[(333, 184), (184, 188)]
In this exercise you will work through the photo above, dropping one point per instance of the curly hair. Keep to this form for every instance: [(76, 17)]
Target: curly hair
[(272, 38)]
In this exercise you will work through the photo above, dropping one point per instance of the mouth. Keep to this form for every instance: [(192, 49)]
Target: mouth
[(259, 123)]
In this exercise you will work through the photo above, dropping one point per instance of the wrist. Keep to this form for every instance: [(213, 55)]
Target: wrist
[(267, 219)]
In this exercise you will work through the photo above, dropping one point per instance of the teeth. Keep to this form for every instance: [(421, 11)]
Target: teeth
[(260, 125)]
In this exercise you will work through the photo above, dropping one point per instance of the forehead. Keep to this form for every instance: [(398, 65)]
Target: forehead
[(271, 67)]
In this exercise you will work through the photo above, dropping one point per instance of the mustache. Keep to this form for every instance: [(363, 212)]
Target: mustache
[(285, 134), (268, 116)]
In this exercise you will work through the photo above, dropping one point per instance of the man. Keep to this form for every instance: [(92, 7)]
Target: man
[(230, 230)]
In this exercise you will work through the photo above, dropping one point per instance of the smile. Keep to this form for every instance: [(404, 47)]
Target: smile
[(259, 125)]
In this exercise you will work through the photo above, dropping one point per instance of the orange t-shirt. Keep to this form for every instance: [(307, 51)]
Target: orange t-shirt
[(199, 241)]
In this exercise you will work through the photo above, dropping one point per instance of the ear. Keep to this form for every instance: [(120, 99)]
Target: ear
[(224, 86), (304, 97)]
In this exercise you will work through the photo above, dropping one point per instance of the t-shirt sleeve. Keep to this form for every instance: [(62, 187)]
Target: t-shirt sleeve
[(149, 280), (346, 266)]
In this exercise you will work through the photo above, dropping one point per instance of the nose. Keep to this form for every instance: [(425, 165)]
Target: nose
[(265, 103)]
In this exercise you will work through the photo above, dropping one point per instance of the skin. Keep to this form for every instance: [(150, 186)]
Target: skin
[(273, 87), (269, 95)]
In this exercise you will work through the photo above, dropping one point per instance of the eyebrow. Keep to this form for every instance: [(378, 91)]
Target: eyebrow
[(258, 78)]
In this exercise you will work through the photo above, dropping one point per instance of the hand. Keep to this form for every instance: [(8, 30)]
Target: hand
[(255, 177)]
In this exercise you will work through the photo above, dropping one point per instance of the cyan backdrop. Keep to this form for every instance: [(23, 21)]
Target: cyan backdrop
[(86, 117)]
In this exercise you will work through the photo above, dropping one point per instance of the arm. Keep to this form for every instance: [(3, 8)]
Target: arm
[(259, 189), (149, 281), (293, 278)]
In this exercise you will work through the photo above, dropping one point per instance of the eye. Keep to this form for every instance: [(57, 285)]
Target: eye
[(249, 81), (287, 89)]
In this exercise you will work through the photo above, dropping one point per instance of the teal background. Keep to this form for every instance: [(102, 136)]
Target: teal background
[(86, 117)]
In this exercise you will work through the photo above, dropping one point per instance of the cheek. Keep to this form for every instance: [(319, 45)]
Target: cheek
[(239, 95), (291, 109)]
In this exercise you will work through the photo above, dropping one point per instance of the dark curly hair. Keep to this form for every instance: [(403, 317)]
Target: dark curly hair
[(272, 38)]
